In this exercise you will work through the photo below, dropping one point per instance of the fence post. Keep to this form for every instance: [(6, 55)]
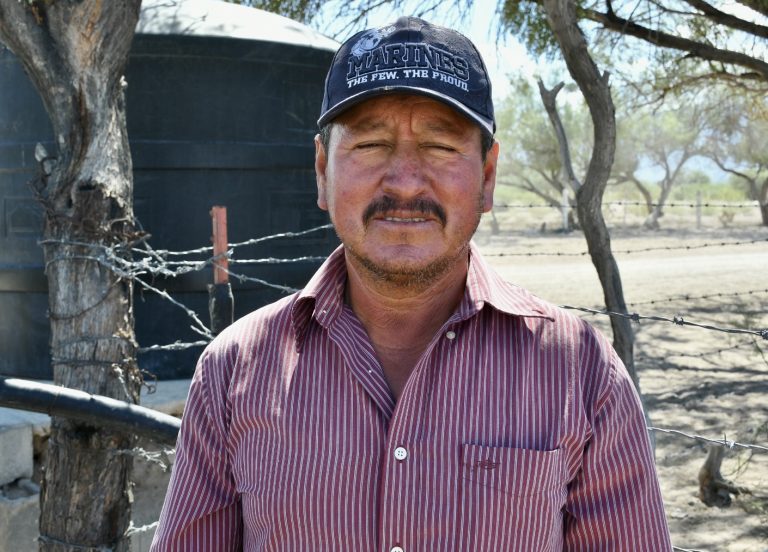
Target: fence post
[(221, 303), (565, 206), (698, 210)]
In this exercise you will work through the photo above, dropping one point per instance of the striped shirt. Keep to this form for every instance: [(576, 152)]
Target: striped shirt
[(518, 429)]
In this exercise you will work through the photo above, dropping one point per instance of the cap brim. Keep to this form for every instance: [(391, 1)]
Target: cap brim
[(485, 124)]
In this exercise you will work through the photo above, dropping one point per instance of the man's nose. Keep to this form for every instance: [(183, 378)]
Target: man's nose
[(406, 174)]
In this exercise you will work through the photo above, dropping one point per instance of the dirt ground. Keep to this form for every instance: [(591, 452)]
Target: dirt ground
[(698, 381)]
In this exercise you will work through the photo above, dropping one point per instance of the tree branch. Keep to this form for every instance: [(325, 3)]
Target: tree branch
[(549, 99), (25, 31), (531, 187), (550, 179), (722, 18), (613, 22), (719, 162), (644, 192)]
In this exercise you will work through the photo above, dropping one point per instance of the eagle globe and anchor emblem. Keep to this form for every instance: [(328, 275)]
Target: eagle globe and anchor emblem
[(370, 40)]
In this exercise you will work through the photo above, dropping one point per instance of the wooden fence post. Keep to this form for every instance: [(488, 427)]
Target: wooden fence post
[(221, 303)]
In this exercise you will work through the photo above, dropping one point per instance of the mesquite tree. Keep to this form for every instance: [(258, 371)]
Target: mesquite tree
[(75, 52), (561, 15)]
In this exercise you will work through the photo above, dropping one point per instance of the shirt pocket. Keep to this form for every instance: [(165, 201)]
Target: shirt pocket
[(512, 499)]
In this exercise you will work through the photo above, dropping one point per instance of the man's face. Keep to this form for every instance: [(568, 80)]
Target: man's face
[(405, 184)]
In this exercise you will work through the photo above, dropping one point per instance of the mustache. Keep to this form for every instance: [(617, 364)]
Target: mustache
[(386, 204)]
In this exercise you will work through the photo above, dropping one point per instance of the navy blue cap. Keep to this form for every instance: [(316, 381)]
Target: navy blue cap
[(410, 56)]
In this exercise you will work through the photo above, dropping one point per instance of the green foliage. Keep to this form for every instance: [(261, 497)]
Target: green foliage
[(509, 194), (298, 10), (527, 20), (658, 139)]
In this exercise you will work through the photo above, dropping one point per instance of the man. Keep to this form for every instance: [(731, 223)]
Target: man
[(409, 400)]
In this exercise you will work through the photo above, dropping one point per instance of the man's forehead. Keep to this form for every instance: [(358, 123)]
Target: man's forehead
[(383, 111)]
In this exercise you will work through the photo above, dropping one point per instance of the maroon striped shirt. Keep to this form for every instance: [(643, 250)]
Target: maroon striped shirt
[(519, 429)]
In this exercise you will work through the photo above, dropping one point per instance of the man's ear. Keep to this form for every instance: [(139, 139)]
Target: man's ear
[(321, 165), (489, 176)]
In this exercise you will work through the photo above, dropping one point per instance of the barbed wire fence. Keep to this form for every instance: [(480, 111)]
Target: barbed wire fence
[(627, 203), (558, 214), (148, 263)]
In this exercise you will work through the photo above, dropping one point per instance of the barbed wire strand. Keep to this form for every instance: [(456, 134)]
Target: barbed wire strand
[(194, 265), (710, 353), (175, 346), (677, 320), (697, 297), (724, 442), (272, 260), (202, 329), (624, 251), (159, 458), (722, 204), (252, 241), (133, 530), (244, 278)]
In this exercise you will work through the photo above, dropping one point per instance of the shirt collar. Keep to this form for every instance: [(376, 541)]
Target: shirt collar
[(323, 297), (485, 286)]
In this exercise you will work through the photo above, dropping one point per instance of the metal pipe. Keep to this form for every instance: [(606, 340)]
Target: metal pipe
[(55, 400)]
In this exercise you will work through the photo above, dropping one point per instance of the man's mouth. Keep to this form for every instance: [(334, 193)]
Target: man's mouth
[(412, 211), (401, 219)]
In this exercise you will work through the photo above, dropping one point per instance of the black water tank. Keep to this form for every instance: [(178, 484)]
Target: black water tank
[(221, 108)]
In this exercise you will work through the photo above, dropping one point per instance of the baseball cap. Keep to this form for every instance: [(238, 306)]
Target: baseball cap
[(410, 56)]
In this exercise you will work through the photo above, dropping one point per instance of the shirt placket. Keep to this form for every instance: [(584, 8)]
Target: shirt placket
[(353, 343), (401, 492)]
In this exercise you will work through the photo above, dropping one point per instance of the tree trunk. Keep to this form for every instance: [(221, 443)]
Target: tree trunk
[(755, 192), (652, 221), (645, 193), (548, 98), (713, 489), (670, 177), (494, 224), (594, 86), (74, 53)]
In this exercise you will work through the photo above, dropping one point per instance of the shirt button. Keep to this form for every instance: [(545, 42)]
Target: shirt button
[(450, 334), (400, 454), (396, 549)]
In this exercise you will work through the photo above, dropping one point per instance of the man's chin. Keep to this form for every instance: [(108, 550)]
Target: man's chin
[(407, 273)]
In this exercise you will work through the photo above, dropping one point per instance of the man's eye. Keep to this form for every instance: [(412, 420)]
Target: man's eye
[(441, 147), (370, 145)]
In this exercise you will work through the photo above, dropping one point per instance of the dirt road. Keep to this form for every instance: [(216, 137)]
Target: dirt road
[(645, 275)]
